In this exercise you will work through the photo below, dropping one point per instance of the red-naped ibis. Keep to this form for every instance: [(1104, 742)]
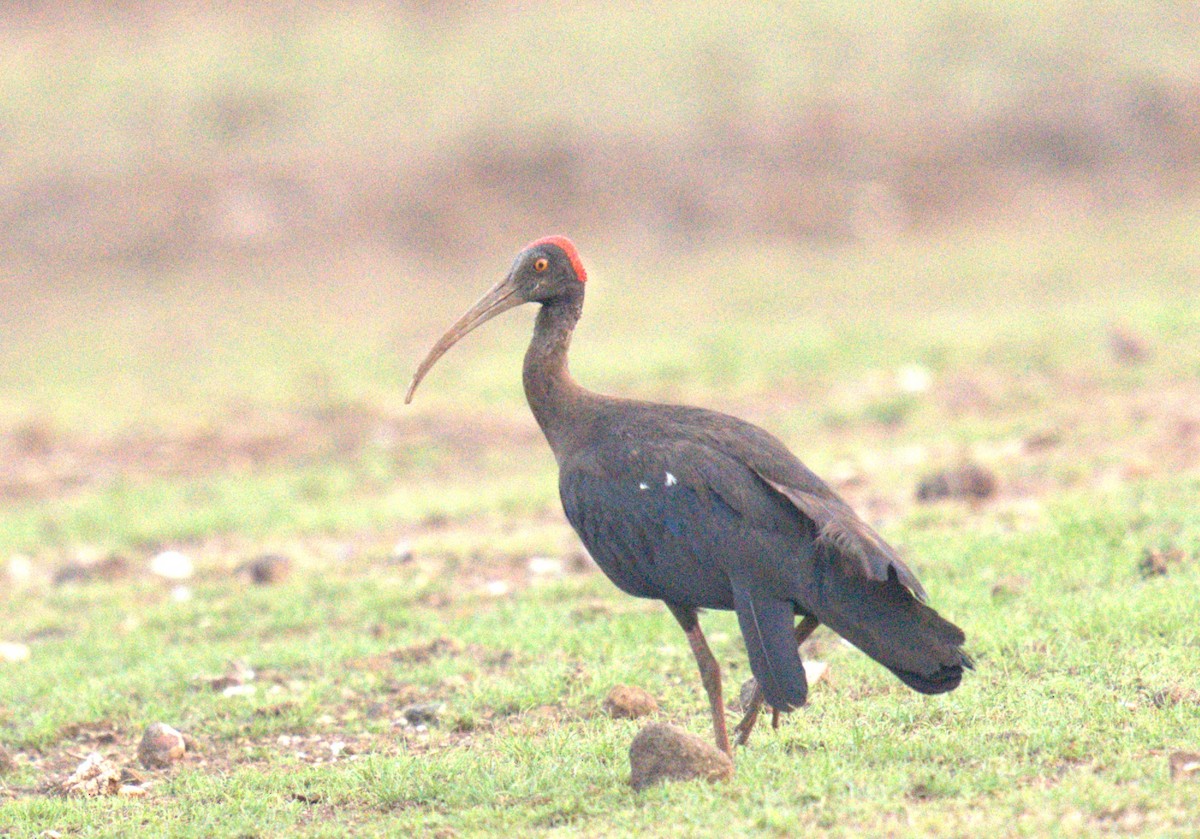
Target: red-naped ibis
[(705, 511)]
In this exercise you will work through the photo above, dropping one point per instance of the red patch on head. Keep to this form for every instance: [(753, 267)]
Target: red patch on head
[(569, 249)]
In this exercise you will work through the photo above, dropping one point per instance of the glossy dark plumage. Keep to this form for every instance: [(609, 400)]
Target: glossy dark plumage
[(705, 511)]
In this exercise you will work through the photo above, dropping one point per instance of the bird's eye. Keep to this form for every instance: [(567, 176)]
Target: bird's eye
[(541, 264)]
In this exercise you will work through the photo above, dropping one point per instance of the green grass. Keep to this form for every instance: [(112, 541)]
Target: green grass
[(1086, 669)]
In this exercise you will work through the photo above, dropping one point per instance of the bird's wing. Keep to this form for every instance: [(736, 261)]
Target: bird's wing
[(851, 537)]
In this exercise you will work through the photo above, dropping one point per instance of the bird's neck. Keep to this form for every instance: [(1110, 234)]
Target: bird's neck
[(552, 394)]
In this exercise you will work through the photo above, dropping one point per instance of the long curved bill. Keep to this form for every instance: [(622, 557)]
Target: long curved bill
[(502, 297)]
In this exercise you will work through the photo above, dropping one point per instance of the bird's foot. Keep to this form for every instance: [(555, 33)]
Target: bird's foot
[(752, 702)]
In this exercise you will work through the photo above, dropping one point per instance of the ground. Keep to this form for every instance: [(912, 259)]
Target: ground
[(430, 565)]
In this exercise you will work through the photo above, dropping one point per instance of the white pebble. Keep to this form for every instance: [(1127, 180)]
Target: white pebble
[(814, 670), (173, 565), (914, 378), (497, 588), (541, 566), (20, 569), (13, 651)]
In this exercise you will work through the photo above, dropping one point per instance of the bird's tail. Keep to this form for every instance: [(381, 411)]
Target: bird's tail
[(768, 628), (885, 621)]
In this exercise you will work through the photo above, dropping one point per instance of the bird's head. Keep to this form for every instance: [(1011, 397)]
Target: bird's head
[(548, 270)]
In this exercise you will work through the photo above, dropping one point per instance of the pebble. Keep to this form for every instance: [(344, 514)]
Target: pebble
[(172, 565), (161, 746), (629, 702), (13, 651), (968, 481), (267, 569), (1183, 765), (914, 378), (20, 569), (545, 566), (497, 588), (424, 713), (237, 674), (7, 764)]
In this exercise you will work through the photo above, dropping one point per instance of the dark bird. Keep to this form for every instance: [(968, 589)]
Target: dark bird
[(705, 511)]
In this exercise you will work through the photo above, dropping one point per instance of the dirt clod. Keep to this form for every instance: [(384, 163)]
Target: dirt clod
[(661, 751), (7, 764), (267, 569), (161, 747), (111, 568), (1156, 563), (96, 775), (423, 652), (629, 702), (1128, 347), (1184, 765), (424, 713), (238, 674), (969, 481)]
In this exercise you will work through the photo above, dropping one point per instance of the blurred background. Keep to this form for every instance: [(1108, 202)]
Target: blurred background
[(227, 234)]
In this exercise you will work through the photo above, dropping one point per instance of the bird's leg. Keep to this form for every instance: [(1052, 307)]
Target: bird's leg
[(742, 730), (710, 671)]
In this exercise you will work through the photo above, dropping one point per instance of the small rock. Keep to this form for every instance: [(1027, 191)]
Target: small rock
[(181, 594), (7, 764), (968, 481), (1183, 765), (239, 690), (237, 673), (1040, 441), (13, 651), (267, 569), (96, 775), (402, 553), (108, 569), (814, 671), (20, 569), (132, 791), (1156, 563), (172, 565), (161, 746), (629, 702), (427, 650), (1127, 347), (497, 588), (914, 378), (111, 568), (424, 713), (665, 752), (545, 566)]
